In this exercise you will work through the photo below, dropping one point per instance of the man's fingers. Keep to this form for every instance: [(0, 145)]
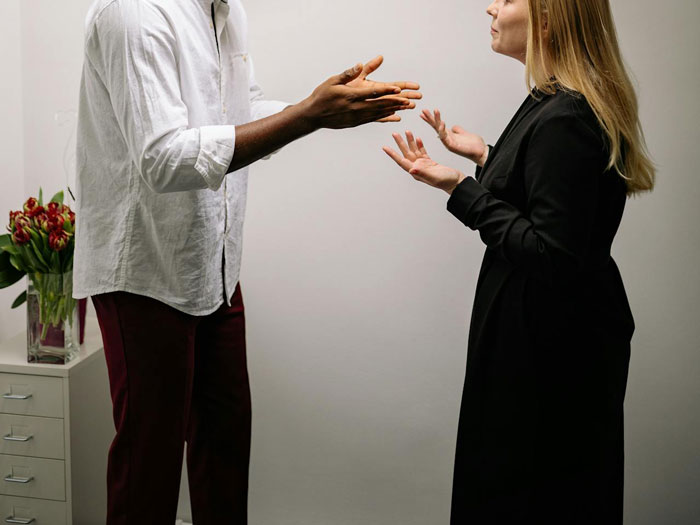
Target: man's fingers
[(391, 118), (376, 91), (348, 75), (403, 162), (404, 84), (414, 95), (388, 103), (371, 66)]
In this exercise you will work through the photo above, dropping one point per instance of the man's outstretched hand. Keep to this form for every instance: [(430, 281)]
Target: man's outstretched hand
[(351, 99), (409, 89), (346, 100)]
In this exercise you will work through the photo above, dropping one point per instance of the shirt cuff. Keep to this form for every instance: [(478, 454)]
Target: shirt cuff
[(216, 147), (464, 197)]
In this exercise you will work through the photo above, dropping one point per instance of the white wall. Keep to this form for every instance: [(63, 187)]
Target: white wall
[(11, 126), (359, 284)]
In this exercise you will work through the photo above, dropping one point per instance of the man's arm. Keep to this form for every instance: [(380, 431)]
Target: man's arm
[(333, 105)]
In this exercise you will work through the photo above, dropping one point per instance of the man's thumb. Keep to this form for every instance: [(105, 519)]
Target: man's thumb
[(349, 75)]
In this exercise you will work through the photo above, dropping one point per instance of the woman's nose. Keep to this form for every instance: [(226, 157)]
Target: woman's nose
[(491, 9)]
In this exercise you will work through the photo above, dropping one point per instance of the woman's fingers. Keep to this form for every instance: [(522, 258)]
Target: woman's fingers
[(421, 147), (428, 117), (401, 161), (402, 145), (412, 143), (442, 132)]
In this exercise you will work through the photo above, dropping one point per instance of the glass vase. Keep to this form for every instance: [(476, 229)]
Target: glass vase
[(52, 318)]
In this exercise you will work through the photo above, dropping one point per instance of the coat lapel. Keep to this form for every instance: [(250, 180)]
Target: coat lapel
[(528, 105)]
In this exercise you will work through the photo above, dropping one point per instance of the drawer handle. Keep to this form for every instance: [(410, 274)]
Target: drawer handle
[(10, 437), (13, 479), (16, 396), (24, 521)]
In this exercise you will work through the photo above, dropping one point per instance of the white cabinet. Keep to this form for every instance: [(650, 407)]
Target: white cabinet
[(55, 432)]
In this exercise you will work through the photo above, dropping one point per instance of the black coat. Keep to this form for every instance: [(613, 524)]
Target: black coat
[(541, 427)]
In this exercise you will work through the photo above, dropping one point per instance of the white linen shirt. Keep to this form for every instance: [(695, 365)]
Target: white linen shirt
[(156, 213)]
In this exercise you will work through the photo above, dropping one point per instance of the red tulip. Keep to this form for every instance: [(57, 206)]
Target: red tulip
[(58, 240), (56, 223), (23, 222), (32, 208), (41, 222), (13, 218), (53, 209), (20, 237)]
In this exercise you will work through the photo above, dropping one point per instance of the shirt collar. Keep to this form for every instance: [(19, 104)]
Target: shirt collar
[(207, 3)]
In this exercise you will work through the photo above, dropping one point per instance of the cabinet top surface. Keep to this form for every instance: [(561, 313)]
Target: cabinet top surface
[(13, 354)]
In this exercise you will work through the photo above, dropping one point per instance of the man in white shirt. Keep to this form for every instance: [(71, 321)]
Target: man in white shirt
[(170, 118)]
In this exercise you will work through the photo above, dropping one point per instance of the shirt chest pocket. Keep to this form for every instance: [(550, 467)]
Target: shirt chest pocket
[(235, 87)]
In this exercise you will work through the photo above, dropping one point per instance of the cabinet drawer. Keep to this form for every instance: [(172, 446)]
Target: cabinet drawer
[(31, 395), (31, 436), (44, 478), (44, 512)]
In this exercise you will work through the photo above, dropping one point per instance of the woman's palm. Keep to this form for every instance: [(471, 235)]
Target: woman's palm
[(457, 139)]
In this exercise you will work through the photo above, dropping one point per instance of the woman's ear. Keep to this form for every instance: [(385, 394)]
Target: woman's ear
[(545, 24)]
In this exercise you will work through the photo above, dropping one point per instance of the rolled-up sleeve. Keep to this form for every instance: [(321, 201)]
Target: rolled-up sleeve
[(133, 49)]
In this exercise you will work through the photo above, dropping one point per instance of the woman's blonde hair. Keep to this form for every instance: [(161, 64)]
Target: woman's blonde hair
[(581, 53)]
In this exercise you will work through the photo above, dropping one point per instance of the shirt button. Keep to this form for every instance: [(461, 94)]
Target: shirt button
[(245, 58), (224, 109)]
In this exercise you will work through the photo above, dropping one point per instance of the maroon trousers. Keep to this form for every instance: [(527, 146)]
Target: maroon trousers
[(176, 378)]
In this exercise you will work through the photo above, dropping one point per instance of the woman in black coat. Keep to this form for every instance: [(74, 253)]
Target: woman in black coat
[(541, 428)]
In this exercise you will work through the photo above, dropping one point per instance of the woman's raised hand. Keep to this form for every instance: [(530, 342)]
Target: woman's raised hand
[(417, 162), (457, 140)]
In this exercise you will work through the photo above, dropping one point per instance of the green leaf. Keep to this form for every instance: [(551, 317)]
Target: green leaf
[(45, 241), (9, 275), (58, 197), (7, 280), (68, 258), (21, 299), (39, 255), (34, 263), (55, 262), (41, 197), (5, 242), (16, 262)]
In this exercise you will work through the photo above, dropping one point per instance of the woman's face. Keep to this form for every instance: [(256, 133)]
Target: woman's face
[(509, 27)]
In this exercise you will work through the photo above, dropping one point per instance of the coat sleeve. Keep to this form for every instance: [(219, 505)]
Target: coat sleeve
[(134, 52), (562, 170)]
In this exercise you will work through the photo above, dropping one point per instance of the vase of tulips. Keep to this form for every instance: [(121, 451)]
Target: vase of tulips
[(40, 245)]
